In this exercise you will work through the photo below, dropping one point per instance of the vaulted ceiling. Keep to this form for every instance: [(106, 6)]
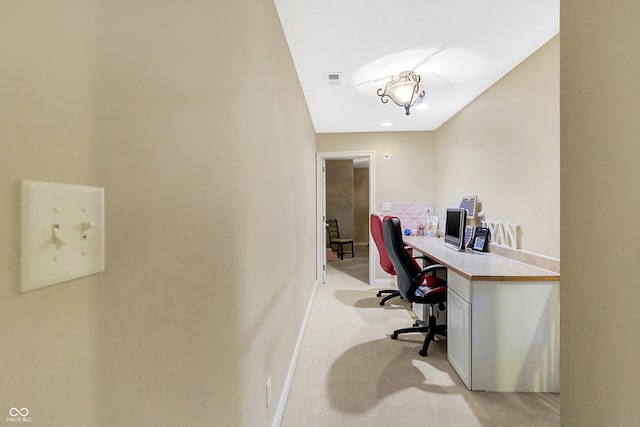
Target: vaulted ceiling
[(459, 47)]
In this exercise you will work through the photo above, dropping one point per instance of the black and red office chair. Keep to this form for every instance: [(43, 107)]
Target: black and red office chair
[(415, 284), (385, 263), (375, 223)]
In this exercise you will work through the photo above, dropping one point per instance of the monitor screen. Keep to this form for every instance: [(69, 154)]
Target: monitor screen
[(454, 228)]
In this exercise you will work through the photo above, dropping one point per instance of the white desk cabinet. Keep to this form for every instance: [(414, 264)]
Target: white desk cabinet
[(459, 335), (503, 320), (504, 336)]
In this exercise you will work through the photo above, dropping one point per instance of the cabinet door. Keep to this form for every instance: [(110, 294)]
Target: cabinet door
[(459, 336)]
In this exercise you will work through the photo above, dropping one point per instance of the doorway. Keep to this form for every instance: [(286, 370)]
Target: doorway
[(360, 160)]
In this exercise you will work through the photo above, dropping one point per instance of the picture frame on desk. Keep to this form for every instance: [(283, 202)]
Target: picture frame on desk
[(481, 239), (470, 203)]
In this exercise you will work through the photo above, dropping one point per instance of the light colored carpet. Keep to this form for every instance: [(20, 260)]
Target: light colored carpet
[(350, 372), (357, 266)]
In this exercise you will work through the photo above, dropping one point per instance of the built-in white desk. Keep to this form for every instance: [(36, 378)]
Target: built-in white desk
[(503, 319)]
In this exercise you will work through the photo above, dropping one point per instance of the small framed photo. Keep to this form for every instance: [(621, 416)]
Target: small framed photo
[(478, 243), (481, 239), (469, 203)]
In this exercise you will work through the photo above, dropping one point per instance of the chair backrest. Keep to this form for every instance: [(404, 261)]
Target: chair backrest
[(405, 266), (332, 229), (376, 232)]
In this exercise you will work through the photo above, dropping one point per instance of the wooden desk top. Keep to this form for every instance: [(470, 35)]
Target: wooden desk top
[(480, 266)]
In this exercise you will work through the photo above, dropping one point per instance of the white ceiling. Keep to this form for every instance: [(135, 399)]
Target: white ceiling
[(459, 47)]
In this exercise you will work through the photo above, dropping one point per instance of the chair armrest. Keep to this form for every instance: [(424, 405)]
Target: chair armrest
[(430, 269), (426, 258), (409, 250)]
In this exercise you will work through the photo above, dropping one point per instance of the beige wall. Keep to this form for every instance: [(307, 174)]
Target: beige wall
[(361, 205), (340, 195), (347, 198), (504, 147), (600, 65), (142, 97), (406, 176)]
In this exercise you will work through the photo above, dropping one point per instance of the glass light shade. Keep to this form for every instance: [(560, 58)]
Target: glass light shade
[(404, 90), (402, 93)]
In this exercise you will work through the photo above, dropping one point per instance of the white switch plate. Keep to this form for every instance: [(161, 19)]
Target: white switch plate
[(386, 206), (62, 233)]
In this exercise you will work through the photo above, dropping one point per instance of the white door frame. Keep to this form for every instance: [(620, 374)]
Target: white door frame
[(321, 203)]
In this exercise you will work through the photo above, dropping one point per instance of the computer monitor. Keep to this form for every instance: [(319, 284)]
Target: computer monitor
[(454, 228)]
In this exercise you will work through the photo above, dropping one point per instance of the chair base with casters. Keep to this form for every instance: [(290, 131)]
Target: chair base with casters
[(392, 294), (431, 329)]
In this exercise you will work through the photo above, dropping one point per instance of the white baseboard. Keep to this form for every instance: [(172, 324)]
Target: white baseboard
[(286, 388)]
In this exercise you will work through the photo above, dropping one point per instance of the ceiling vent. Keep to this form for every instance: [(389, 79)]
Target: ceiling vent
[(333, 79)]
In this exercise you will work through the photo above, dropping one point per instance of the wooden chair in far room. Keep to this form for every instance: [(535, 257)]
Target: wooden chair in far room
[(333, 235)]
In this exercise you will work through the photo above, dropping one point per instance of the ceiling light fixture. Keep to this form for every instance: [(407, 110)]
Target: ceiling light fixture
[(404, 90)]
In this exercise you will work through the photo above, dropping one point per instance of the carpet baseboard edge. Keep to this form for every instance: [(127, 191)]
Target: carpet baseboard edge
[(286, 388)]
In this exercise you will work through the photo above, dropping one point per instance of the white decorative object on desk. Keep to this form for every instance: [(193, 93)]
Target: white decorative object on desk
[(503, 234)]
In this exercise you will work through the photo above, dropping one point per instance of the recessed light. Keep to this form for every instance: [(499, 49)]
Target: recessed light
[(385, 124)]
